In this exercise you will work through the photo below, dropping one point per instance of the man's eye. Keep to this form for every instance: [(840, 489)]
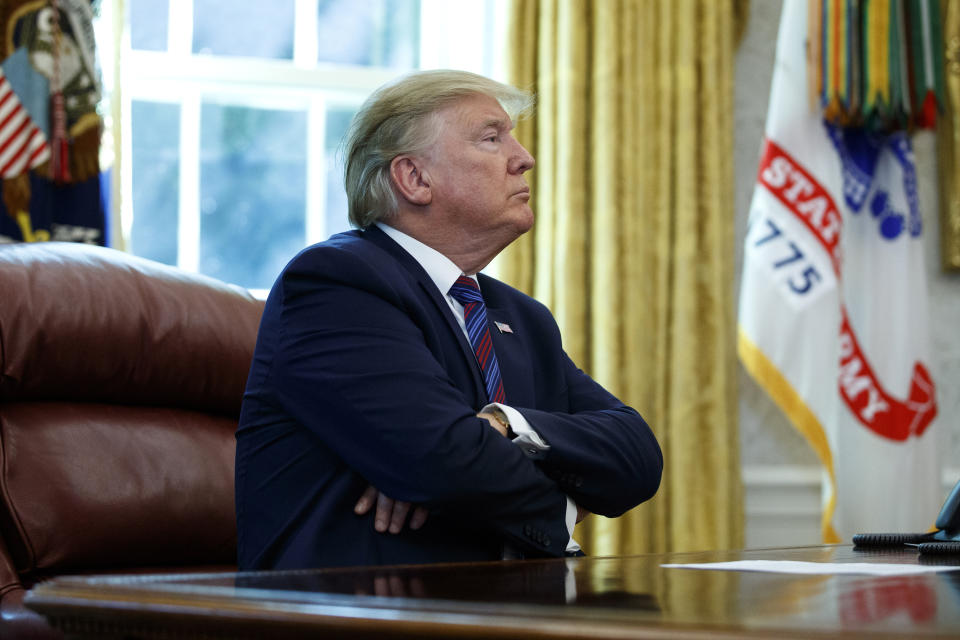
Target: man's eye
[(492, 138)]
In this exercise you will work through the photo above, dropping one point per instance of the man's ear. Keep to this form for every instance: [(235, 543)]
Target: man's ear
[(408, 178)]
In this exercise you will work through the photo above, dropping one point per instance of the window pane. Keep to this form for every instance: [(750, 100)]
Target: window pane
[(252, 192), (251, 28), (148, 24), (154, 138), (335, 208), (381, 33)]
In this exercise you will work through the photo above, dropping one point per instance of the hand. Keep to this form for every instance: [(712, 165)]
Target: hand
[(390, 513), (495, 423)]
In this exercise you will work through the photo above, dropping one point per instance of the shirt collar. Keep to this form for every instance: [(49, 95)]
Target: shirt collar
[(439, 267)]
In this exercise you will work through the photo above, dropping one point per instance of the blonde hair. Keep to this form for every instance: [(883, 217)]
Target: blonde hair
[(398, 118)]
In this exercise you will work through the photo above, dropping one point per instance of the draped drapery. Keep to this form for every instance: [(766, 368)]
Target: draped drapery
[(948, 141), (633, 243)]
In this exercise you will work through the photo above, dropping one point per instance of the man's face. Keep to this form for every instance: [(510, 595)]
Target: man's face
[(476, 173)]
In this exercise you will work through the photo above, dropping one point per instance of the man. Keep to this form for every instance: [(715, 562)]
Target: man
[(386, 368)]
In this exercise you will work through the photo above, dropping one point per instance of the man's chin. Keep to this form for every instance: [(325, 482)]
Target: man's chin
[(524, 221)]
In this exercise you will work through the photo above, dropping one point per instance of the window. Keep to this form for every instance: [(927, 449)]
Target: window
[(232, 114)]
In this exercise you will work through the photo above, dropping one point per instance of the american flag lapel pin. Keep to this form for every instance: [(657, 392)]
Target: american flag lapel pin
[(503, 327)]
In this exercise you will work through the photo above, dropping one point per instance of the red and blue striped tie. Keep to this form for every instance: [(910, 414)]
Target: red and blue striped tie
[(466, 292)]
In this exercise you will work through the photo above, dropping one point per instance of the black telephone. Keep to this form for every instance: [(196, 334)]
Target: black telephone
[(945, 540)]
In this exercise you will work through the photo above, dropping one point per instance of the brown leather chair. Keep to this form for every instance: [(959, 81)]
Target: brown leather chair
[(120, 385)]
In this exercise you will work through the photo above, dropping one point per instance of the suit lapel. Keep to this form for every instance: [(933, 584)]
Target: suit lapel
[(440, 303), (429, 290), (511, 349)]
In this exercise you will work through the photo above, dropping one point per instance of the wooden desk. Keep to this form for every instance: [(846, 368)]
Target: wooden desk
[(613, 597)]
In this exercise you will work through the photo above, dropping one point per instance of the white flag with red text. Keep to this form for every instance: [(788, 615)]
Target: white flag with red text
[(833, 305)]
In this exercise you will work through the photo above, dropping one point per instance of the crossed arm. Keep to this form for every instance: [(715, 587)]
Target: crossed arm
[(392, 514), (444, 457)]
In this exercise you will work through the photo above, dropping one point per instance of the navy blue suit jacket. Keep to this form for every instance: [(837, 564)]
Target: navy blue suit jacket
[(361, 375)]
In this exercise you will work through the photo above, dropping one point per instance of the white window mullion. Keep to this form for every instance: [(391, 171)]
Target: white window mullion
[(442, 45), (305, 45), (125, 127), (452, 34), (495, 62), (180, 28), (316, 169), (431, 38), (188, 232)]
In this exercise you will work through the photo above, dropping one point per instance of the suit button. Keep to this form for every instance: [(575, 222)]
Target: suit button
[(546, 541), (578, 481), (527, 529)]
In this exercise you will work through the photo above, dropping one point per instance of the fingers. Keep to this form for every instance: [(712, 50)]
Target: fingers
[(418, 518), (366, 501), (390, 514), (400, 510), (384, 509)]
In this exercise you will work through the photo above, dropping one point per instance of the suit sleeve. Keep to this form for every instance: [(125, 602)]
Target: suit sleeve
[(352, 363), (602, 452)]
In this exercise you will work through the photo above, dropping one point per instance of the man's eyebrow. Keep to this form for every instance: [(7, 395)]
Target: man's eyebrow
[(497, 123)]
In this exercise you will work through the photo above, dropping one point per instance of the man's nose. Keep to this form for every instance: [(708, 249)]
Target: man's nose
[(521, 161)]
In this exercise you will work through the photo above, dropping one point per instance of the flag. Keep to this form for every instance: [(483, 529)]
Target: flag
[(22, 144), (877, 64), (833, 307)]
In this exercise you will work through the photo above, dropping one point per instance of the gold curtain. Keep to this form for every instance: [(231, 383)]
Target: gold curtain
[(633, 243), (948, 140)]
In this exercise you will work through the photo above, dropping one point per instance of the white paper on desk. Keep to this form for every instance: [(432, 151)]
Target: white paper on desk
[(816, 568)]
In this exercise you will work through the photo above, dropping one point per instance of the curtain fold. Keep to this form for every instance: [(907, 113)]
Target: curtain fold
[(948, 141), (633, 243)]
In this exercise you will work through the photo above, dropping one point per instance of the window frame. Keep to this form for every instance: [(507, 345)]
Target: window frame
[(460, 34)]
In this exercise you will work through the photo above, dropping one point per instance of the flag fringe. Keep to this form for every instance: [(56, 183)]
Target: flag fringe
[(766, 374)]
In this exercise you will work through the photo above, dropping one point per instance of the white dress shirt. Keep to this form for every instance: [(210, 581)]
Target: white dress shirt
[(443, 272)]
